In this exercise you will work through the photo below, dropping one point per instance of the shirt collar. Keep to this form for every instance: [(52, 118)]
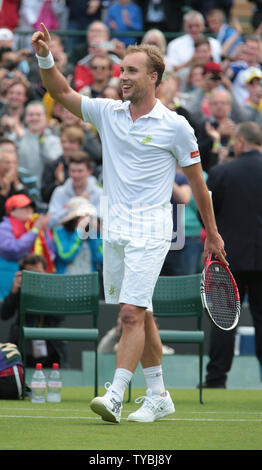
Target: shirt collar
[(156, 112)]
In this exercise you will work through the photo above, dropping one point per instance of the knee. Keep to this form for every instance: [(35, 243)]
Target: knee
[(132, 315)]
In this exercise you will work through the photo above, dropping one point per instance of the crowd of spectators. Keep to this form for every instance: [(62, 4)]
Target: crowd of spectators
[(213, 77)]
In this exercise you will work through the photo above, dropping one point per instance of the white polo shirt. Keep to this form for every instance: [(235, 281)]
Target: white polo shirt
[(139, 164)]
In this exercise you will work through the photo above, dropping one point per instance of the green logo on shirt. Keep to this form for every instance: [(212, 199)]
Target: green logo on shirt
[(147, 139), (112, 290)]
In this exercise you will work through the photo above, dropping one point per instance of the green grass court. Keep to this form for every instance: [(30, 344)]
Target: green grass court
[(229, 420)]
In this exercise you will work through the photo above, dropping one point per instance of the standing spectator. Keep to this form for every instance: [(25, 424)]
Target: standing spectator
[(216, 131), (81, 13), (123, 16), (165, 15), (9, 14), (102, 70), (55, 173), (14, 179), (80, 183), (223, 32), (38, 145), (237, 194), (22, 232), (181, 50)]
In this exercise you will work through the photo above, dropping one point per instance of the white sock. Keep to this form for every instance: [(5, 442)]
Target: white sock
[(121, 381), (154, 379)]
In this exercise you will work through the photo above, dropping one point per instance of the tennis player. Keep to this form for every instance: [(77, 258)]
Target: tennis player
[(142, 141)]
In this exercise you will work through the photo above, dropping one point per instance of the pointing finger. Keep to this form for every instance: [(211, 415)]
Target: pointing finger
[(46, 32)]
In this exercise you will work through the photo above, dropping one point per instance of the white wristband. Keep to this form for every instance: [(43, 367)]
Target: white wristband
[(46, 62)]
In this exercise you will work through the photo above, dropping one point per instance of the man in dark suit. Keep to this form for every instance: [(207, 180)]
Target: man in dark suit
[(237, 197)]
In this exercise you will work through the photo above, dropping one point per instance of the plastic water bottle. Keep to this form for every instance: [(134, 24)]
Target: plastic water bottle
[(38, 385), (54, 384)]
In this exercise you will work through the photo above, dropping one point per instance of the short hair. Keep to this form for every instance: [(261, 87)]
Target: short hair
[(73, 134), (250, 131), (36, 103), (155, 61), (192, 15), (216, 12), (18, 81), (104, 57), (162, 44), (5, 140), (32, 259), (81, 157), (202, 40)]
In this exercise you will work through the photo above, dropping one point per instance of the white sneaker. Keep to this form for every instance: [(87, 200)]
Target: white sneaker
[(109, 406), (154, 407)]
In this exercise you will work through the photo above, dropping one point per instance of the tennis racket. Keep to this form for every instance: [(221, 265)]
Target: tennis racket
[(219, 294)]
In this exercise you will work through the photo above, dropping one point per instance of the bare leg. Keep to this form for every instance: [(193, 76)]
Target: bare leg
[(152, 354), (132, 342)]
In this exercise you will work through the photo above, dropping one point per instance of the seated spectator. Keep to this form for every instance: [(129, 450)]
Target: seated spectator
[(61, 57), (14, 179), (253, 104), (56, 172), (251, 54), (109, 342), (101, 66), (46, 352), (229, 37), (202, 55), (80, 183), (157, 38), (181, 49), (124, 16), (22, 232), (91, 140), (197, 102), (112, 91), (218, 130), (194, 78), (98, 44), (76, 254), (38, 145), (169, 93), (12, 114)]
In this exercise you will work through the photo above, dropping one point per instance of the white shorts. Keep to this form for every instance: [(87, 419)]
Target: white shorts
[(131, 269)]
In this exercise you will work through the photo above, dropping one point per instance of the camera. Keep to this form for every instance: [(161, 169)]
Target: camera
[(215, 77)]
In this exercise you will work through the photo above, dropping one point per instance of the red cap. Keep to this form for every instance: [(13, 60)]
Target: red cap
[(212, 67), (18, 200), (39, 366), (55, 366)]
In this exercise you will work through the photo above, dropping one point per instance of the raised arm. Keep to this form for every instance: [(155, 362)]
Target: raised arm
[(53, 80), (214, 243)]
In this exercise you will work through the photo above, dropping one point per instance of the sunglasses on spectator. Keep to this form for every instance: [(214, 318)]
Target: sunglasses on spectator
[(99, 67)]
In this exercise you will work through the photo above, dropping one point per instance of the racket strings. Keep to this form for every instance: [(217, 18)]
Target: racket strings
[(220, 296)]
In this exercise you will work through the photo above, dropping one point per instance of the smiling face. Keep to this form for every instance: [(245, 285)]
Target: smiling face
[(136, 80)]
